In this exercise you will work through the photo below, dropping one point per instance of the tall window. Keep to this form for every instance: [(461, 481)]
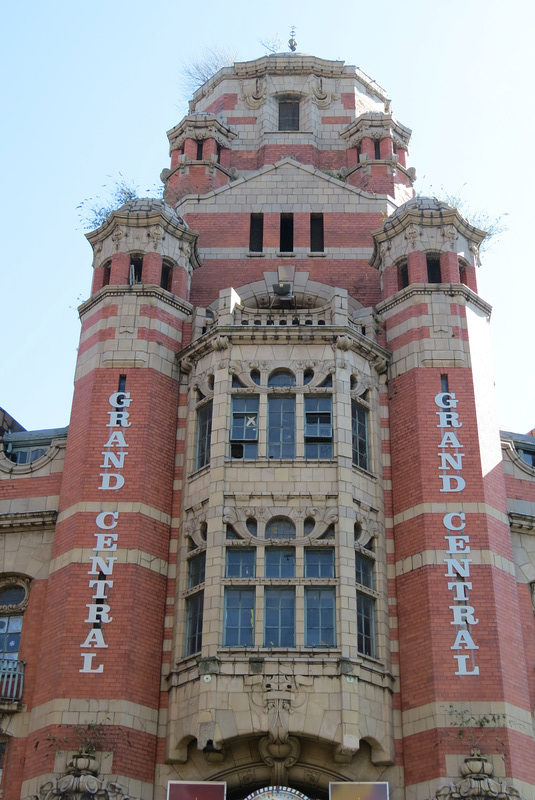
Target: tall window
[(289, 115), (256, 233), (316, 233), (239, 617), (244, 427), (287, 233), (165, 278), (279, 617), (10, 631), (281, 427), (194, 615), (13, 601), (204, 433), (318, 427), (320, 616), (195, 604), (359, 435), (403, 275), (136, 269), (196, 567), (433, 269), (365, 605)]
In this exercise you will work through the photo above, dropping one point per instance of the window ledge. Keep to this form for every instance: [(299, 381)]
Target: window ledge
[(297, 133), (317, 254), (365, 472), (199, 471), (255, 254), (282, 254)]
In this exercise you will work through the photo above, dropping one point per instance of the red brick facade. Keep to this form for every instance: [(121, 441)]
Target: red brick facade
[(286, 265)]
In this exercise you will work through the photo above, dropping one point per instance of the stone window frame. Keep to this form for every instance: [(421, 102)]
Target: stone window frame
[(291, 587), (13, 611), (203, 435), (367, 596), (305, 383), (359, 406)]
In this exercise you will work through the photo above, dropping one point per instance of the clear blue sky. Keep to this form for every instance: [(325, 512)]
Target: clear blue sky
[(90, 89)]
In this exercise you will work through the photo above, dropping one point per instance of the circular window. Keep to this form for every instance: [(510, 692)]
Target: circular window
[(13, 594)]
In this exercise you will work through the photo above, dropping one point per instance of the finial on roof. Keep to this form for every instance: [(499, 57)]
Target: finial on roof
[(292, 44)]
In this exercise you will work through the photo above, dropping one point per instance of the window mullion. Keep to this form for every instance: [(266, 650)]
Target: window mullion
[(262, 426), (299, 426), (300, 615)]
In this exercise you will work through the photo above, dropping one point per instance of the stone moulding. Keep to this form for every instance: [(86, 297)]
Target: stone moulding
[(81, 787), (477, 781), (28, 520)]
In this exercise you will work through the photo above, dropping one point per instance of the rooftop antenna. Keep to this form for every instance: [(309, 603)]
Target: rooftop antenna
[(292, 44)]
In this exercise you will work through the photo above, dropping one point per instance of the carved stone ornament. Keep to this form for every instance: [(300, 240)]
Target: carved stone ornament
[(279, 695), (384, 249), (476, 772), (254, 97), (186, 364), (474, 249), (117, 234), (450, 235), (412, 233), (155, 233), (321, 96), (81, 783), (14, 582), (220, 343), (360, 383), (343, 343)]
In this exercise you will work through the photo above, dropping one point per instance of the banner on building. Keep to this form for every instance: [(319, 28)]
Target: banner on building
[(358, 791), (184, 790)]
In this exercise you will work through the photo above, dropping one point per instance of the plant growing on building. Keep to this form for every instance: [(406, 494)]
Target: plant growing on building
[(209, 61), (473, 727), (494, 226), (93, 211)]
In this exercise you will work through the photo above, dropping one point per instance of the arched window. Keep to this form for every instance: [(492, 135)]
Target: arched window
[(280, 528), (281, 377), (13, 602)]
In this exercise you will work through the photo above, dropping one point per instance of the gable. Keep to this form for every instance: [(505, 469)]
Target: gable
[(286, 185)]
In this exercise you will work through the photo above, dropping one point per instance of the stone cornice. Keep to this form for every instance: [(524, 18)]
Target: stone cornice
[(449, 289), (399, 221), (341, 337), (392, 164), (508, 447), (28, 520), (200, 126), (212, 164), (142, 289), (522, 523), (156, 218), (374, 125), (288, 64)]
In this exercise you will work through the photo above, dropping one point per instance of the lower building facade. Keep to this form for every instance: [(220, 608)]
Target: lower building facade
[(281, 545)]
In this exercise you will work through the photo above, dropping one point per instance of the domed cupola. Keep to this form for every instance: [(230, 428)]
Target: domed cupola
[(144, 242), (426, 241)]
